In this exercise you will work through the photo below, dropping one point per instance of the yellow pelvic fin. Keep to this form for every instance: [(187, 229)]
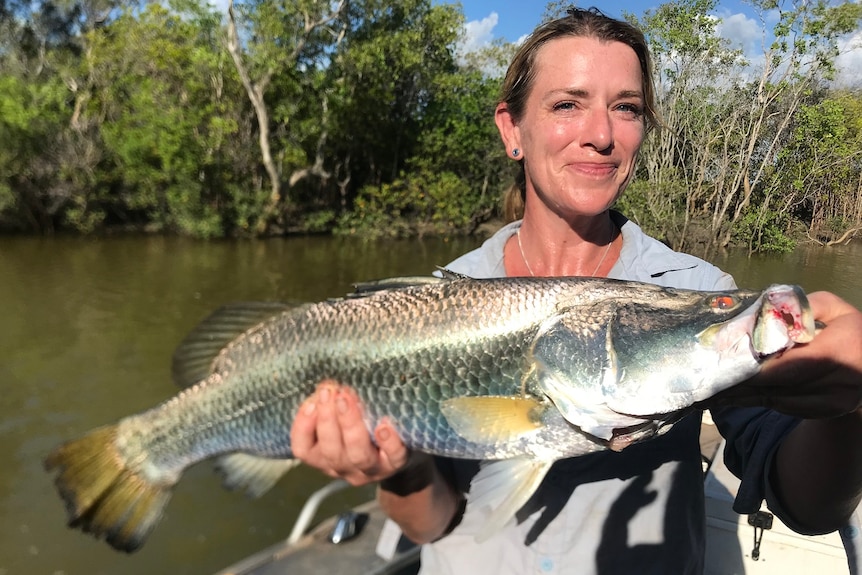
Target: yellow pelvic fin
[(492, 419), (102, 496)]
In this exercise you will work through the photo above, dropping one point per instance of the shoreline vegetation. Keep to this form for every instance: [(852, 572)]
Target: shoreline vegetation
[(370, 119)]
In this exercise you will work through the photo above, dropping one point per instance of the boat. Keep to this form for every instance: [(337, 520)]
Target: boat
[(364, 541)]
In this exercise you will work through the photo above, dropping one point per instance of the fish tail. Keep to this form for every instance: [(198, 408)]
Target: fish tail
[(103, 496)]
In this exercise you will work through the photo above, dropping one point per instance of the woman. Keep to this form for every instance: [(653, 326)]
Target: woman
[(577, 103)]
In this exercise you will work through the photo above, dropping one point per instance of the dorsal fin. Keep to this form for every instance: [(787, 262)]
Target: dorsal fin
[(194, 358), (362, 289), (450, 275)]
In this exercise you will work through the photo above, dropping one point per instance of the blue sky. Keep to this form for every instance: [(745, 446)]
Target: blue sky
[(514, 19)]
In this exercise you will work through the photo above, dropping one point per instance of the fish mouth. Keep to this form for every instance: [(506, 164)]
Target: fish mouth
[(780, 318), (725, 354), (783, 319)]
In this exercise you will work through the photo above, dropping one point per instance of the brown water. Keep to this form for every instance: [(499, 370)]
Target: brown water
[(86, 333)]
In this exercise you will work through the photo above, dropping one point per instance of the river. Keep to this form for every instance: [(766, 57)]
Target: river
[(86, 335)]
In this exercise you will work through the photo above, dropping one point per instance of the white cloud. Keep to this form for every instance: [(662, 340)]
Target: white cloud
[(219, 5), (849, 62), (479, 33), (742, 32)]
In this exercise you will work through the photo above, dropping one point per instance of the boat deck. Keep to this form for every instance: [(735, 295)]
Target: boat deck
[(315, 553)]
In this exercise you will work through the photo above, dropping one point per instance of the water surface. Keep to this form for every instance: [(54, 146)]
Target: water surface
[(86, 335)]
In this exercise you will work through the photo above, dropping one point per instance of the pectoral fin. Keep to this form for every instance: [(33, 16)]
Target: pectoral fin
[(493, 419), (505, 486)]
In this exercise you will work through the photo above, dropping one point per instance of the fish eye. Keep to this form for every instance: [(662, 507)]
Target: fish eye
[(723, 302)]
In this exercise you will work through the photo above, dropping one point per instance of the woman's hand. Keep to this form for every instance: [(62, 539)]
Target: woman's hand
[(817, 472), (329, 433), (820, 379)]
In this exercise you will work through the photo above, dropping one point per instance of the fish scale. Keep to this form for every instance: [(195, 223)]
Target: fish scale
[(527, 370), (392, 366)]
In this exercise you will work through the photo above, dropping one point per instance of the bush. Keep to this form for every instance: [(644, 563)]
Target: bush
[(763, 231), (424, 202)]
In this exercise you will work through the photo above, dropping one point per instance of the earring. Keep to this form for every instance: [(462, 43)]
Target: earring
[(516, 152)]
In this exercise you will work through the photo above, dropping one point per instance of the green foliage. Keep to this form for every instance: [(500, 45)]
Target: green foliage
[(683, 27), (823, 154), (432, 203), (722, 161), (137, 115), (7, 198), (319, 221), (453, 179), (764, 231), (458, 137), (165, 152), (638, 204), (390, 70), (31, 114)]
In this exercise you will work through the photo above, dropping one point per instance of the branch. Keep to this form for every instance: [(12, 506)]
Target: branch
[(846, 237), (255, 94), (311, 25)]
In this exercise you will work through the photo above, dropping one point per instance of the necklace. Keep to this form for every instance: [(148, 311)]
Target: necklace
[(523, 257), (601, 261)]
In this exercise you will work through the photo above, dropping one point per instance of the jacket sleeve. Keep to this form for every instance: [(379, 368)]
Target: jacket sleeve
[(753, 435)]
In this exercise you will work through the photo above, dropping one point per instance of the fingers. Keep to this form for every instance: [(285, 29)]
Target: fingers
[(303, 432), (360, 451), (827, 306), (820, 379), (392, 450), (329, 433)]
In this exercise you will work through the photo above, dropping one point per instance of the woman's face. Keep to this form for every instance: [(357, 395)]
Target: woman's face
[(582, 126)]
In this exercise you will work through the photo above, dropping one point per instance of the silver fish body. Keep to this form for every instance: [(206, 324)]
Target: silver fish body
[(521, 369)]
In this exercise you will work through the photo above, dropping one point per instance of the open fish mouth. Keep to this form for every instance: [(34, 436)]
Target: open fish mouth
[(784, 318), (778, 320)]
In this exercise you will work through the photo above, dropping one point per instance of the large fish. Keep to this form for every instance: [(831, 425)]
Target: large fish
[(523, 370)]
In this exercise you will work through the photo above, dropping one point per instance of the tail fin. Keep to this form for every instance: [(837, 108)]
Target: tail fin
[(103, 497)]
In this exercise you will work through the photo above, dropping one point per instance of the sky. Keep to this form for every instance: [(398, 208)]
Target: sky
[(514, 19), (511, 19)]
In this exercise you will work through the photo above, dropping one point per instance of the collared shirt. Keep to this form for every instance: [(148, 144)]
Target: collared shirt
[(637, 511)]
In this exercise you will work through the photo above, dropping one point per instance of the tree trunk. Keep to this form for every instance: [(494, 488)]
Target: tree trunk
[(255, 91)]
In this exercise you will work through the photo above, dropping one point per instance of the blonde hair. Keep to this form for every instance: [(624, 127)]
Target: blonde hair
[(521, 75)]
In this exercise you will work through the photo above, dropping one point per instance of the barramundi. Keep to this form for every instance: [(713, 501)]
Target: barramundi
[(521, 371)]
